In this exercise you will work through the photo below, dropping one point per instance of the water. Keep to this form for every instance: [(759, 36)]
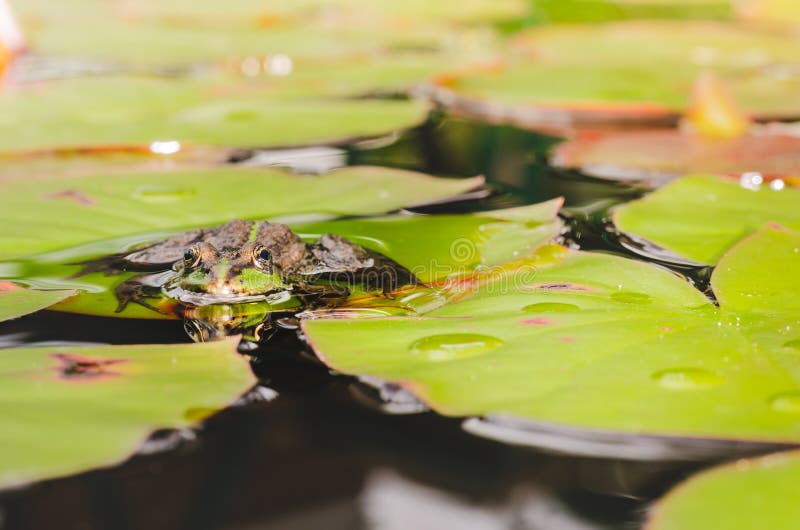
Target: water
[(325, 454)]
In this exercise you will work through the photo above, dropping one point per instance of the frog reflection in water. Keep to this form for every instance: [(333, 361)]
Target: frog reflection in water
[(246, 262)]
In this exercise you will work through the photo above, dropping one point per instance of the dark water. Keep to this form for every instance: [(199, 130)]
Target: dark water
[(323, 455)]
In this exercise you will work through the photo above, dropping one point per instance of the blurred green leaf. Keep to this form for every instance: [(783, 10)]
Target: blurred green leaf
[(107, 111), (632, 69)]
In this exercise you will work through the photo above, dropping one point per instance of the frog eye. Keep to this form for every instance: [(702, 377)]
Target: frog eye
[(191, 257), (263, 257)]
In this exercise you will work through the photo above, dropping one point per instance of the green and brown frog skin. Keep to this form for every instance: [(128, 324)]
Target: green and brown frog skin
[(254, 261)]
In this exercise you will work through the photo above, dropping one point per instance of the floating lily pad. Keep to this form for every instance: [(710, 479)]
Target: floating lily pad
[(628, 70), (69, 211), (770, 13), (600, 342), (561, 11), (157, 33), (701, 217), (437, 248), (643, 155), (16, 301), (115, 31), (470, 11), (69, 409), (104, 111), (744, 495), (53, 163)]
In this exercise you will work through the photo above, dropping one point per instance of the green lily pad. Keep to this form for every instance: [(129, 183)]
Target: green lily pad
[(97, 29), (744, 495), (639, 70), (570, 11), (772, 14), (601, 342), (70, 211), (438, 248), (701, 217), (69, 409), (16, 301), (103, 111), (468, 11), (165, 34), (642, 155)]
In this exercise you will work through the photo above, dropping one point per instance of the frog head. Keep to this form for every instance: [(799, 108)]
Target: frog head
[(207, 275)]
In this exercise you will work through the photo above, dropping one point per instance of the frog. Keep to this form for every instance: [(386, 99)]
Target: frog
[(244, 262)]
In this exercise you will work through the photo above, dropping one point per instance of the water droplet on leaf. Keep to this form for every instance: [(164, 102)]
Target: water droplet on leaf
[(631, 297), (451, 346), (785, 402), (687, 378)]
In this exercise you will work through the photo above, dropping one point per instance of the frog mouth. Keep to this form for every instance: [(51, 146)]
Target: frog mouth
[(202, 298)]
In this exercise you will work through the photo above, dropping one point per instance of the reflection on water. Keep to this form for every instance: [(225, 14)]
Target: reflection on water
[(390, 501)]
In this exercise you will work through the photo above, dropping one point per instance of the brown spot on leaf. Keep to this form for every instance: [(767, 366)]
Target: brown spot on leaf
[(536, 321), (72, 195), (72, 366), (567, 339)]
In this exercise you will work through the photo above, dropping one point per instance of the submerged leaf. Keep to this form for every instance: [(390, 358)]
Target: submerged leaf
[(701, 217), (70, 409), (595, 341)]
